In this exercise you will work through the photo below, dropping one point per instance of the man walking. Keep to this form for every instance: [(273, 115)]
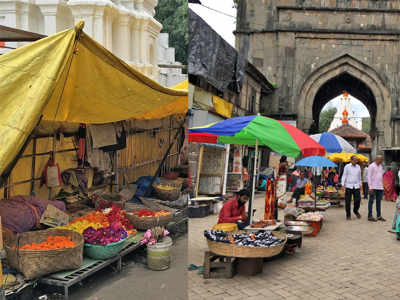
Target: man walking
[(375, 185), (351, 180)]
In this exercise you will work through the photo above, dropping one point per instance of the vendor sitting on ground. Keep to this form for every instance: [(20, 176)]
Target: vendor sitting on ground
[(300, 187), (234, 210)]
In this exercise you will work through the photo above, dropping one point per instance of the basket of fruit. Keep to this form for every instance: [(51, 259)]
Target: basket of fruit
[(245, 244), (145, 219), (168, 191)]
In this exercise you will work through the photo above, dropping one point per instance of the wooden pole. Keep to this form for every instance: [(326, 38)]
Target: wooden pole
[(33, 171), (196, 191), (227, 149), (255, 164)]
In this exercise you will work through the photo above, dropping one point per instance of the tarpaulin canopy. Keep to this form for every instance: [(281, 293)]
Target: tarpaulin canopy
[(346, 157), (184, 86), (68, 77)]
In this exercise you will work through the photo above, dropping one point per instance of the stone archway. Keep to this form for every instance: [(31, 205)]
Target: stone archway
[(356, 69)]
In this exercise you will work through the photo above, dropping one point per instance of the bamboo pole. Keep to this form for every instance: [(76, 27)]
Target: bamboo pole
[(200, 164)]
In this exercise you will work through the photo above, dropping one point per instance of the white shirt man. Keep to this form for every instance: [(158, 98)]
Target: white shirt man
[(351, 180)]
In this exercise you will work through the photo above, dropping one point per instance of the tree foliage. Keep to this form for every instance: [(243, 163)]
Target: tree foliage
[(326, 118), (172, 14), (366, 125)]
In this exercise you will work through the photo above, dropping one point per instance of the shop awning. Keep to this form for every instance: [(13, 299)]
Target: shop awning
[(68, 77)]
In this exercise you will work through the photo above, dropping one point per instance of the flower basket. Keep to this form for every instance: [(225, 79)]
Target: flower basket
[(148, 222), (102, 252), (37, 263)]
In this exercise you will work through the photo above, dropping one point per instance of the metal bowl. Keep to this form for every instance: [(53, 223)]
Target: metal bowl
[(296, 223), (303, 229)]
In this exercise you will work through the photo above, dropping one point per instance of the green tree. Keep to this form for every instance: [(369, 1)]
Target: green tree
[(366, 125), (326, 118), (172, 14)]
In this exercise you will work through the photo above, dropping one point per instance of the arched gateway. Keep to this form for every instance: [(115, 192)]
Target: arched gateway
[(315, 50)]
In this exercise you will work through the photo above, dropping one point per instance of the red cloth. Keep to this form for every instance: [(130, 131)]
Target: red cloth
[(231, 212), (389, 186), (270, 201)]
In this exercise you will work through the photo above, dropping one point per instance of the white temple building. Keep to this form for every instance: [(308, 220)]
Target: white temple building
[(125, 27), (166, 56), (345, 113)]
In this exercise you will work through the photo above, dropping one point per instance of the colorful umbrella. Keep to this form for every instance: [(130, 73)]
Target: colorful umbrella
[(257, 130), (315, 161), (333, 143), (251, 130), (346, 157)]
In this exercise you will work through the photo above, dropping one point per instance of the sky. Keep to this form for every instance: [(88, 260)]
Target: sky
[(225, 26)]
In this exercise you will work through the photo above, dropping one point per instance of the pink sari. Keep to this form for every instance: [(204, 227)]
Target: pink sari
[(388, 185)]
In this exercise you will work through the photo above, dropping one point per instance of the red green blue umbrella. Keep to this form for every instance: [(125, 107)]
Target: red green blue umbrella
[(279, 136)]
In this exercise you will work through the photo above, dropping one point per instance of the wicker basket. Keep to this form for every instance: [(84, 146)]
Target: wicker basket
[(232, 250), (147, 223), (170, 194), (34, 264)]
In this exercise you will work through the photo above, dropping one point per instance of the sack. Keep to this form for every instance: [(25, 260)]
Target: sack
[(52, 176)]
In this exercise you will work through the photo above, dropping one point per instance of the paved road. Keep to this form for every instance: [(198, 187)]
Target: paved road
[(137, 282), (348, 260)]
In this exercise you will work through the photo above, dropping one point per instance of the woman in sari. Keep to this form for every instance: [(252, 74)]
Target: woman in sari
[(388, 185)]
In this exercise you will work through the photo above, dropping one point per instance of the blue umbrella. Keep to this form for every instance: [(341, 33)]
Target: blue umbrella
[(333, 143), (315, 161)]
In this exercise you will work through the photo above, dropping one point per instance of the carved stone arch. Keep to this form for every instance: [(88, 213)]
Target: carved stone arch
[(364, 73)]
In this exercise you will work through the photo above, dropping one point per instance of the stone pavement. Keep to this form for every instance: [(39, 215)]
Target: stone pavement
[(348, 260)]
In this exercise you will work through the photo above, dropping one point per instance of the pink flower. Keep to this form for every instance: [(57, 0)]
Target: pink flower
[(166, 232), (148, 234)]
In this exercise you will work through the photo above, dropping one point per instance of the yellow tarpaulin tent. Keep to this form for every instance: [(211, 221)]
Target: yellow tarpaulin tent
[(68, 77)]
